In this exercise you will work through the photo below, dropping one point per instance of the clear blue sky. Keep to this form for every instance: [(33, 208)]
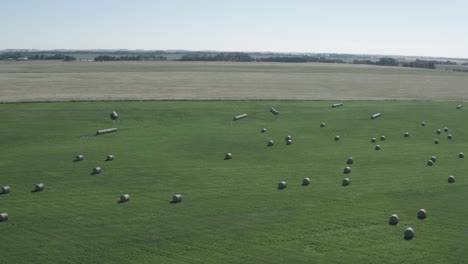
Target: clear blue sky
[(394, 27)]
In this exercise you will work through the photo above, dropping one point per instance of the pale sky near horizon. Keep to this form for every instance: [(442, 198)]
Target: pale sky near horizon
[(397, 27)]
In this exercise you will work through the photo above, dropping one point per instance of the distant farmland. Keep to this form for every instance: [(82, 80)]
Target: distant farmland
[(60, 81)]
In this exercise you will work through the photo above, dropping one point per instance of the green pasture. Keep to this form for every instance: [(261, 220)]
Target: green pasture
[(232, 211)]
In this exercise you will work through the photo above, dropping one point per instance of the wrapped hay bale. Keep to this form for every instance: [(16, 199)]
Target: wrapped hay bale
[(240, 117), (374, 116), (393, 219), (346, 182), (282, 185), (306, 181), (264, 130), (337, 105), (382, 138), (3, 217), (109, 157), (451, 179), (79, 158), (97, 170), (438, 131), (124, 198), (373, 140), (228, 156), (347, 170), (409, 233), (423, 123), (270, 143), (6, 189), (430, 163), (177, 198), (459, 107), (350, 160), (39, 187), (436, 141), (288, 137), (377, 147), (446, 129), (422, 213), (337, 138), (114, 115), (449, 136), (461, 155), (106, 131), (322, 125), (274, 111), (433, 158), (288, 142), (406, 134)]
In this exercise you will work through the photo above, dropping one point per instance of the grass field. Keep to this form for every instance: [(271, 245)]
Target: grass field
[(232, 211), (90, 81)]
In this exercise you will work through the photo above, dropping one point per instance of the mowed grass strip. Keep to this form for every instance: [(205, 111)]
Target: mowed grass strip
[(232, 211)]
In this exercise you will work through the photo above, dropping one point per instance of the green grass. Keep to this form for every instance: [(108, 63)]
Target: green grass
[(232, 211)]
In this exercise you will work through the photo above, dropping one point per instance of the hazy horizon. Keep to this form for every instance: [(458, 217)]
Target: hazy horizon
[(399, 28)]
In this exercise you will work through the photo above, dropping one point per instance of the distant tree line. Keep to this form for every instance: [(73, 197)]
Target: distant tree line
[(35, 56), (300, 59), (141, 57), (224, 56), (425, 64)]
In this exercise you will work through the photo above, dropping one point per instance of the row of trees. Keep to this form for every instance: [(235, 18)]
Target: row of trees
[(300, 59), (224, 56), (150, 57), (34, 56)]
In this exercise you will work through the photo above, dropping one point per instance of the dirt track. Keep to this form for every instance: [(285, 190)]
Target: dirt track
[(77, 81)]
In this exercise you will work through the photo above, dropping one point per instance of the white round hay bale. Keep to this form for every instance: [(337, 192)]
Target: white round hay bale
[(382, 138), (282, 185), (393, 219), (449, 136), (436, 141), (350, 160), (409, 233), (373, 140), (451, 179), (274, 111), (337, 105), (378, 147), (228, 156), (461, 155), (423, 123), (322, 125), (337, 138), (3, 217), (430, 163), (6, 189), (106, 131), (422, 213), (446, 129), (306, 181), (177, 198), (79, 157), (406, 134), (97, 170), (264, 130), (433, 158), (39, 187), (346, 182), (114, 115), (438, 132), (347, 170), (270, 143), (110, 157), (288, 137), (124, 198), (288, 142), (459, 106)]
